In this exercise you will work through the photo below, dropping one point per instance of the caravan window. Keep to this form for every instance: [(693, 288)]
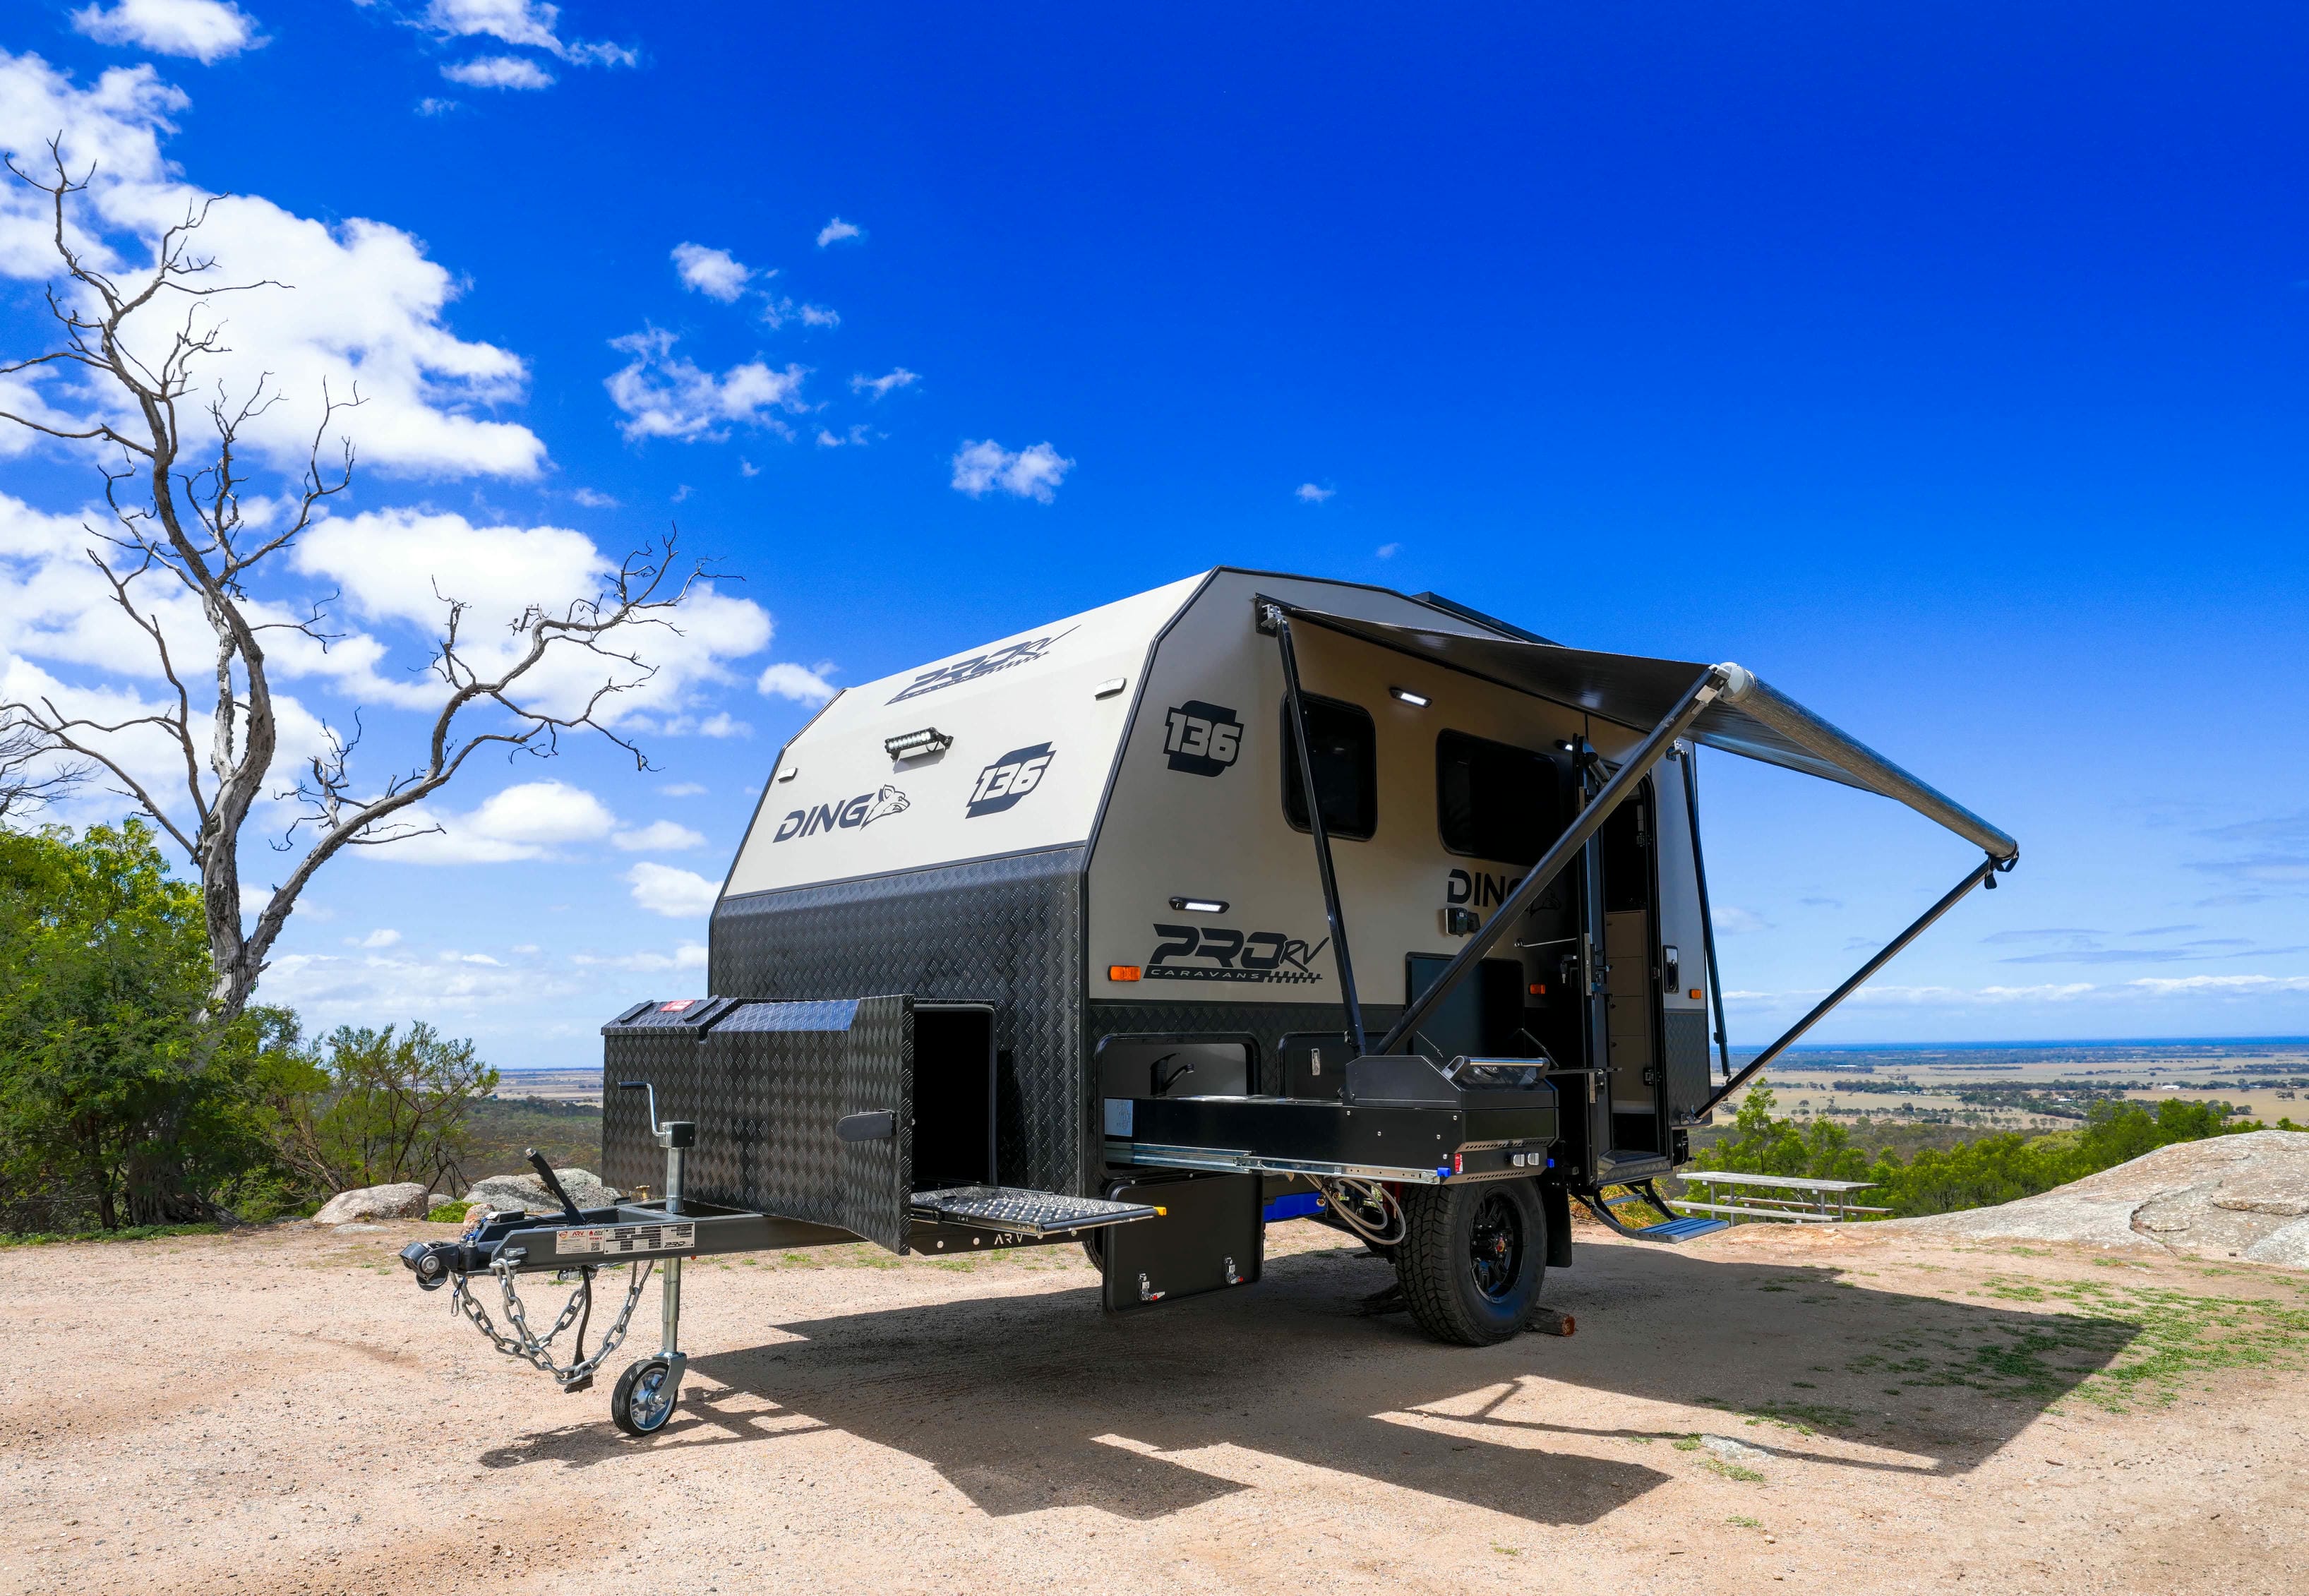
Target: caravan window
[(1344, 746), (1494, 800)]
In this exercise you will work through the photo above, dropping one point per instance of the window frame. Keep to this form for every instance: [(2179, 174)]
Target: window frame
[(1554, 769), (1290, 765)]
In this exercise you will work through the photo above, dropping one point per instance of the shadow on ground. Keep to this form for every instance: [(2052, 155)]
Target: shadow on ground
[(1032, 1401)]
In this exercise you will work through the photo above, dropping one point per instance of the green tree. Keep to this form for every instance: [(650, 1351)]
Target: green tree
[(119, 1101), (378, 1107)]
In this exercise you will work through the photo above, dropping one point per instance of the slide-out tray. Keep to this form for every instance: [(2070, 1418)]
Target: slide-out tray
[(1024, 1212)]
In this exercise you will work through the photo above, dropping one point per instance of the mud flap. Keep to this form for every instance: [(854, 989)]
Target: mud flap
[(1555, 1203)]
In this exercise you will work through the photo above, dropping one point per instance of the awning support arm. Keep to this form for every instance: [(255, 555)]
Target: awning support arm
[(1272, 614), (1707, 914), (1509, 914), (1982, 872)]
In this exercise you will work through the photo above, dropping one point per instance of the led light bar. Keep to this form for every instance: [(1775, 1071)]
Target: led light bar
[(914, 745)]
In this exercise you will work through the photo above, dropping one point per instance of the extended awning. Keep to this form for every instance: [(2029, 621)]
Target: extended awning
[(1749, 717)]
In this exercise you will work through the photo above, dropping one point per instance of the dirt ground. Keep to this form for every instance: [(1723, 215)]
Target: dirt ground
[(284, 1410)]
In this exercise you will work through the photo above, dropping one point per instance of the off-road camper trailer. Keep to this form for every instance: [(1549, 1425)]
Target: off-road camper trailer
[(1252, 897)]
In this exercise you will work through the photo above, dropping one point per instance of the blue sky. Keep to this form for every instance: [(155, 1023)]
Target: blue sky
[(1947, 368)]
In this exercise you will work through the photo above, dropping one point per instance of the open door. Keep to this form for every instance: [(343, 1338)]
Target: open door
[(804, 1111)]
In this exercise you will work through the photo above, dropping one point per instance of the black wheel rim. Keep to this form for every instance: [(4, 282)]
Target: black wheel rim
[(1495, 1247)]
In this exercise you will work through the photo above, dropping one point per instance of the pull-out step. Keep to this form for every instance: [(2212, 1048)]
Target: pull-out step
[(1024, 1212), (1673, 1228)]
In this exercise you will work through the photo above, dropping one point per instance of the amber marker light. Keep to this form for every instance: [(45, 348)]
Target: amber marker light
[(1539, 989), (1122, 972), (1695, 994)]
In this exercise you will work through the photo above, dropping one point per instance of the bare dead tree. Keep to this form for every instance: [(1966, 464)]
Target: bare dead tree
[(177, 503), (31, 777)]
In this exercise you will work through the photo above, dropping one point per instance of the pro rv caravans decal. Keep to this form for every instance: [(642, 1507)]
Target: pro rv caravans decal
[(1000, 785), (845, 814), (978, 665), (1219, 953), (1202, 739)]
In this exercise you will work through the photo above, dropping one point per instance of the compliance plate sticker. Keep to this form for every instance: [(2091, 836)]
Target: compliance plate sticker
[(616, 1241)]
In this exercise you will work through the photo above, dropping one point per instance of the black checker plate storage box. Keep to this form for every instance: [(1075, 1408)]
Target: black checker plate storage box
[(766, 1084), (1685, 1034), (1006, 931)]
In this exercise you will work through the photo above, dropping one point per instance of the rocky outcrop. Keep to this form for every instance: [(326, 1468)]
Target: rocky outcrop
[(404, 1199), (528, 1192), (2244, 1196)]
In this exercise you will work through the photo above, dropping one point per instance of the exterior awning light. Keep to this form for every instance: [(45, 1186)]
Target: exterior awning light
[(915, 745), (1199, 905), (1418, 701), (1110, 687), (789, 773)]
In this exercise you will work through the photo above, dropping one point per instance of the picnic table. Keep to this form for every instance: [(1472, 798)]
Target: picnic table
[(1795, 1199)]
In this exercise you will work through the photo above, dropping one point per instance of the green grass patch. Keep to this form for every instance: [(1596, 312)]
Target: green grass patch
[(1730, 1471), (126, 1233)]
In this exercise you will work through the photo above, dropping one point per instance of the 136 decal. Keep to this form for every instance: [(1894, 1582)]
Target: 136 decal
[(1202, 739), (1000, 785)]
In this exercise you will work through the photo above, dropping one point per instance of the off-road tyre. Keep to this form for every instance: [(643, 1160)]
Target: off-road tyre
[(1472, 1259)]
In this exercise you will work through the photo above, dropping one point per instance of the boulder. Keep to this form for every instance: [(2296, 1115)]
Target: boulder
[(528, 1192), (2238, 1196), (404, 1199)]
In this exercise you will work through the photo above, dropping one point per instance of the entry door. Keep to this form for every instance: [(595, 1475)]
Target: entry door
[(1622, 946)]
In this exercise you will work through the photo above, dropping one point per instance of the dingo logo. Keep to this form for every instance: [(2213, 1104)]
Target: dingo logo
[(1202, 739), (1000, 785), (1260, 956), (1479, 888), (978, 665), (844, 815)]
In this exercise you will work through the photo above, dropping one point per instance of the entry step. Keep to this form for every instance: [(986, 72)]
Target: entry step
[(1024, 1212)]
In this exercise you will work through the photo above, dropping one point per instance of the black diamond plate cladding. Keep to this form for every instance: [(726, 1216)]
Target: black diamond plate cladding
[(765, 1087), (1008, 932), (1266, 1024), (1685, 1034)]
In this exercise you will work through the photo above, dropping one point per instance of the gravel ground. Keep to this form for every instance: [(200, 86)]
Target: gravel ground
[(283, 1410)]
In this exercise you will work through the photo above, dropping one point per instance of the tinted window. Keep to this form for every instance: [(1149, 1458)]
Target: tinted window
[(1346, 756), (1496, 801)]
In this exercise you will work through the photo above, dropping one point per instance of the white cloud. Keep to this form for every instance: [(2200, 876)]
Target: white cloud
[(1387, 551), (2218, 986), (855, 439), (723, 726), (666, 396), (775, 313), (682, 789), (206, 30), (431, 106), (328, 988), (898, 377), (497, 72), (715, 273), (592, 500), (365, 309), (388, 564), (1032, 474), (528, 821), (530, 23), (836, 230), (658, 834), (1308, 493), (798, 683), (383, 937), (1733, 920), (677, 894), (688, 955)]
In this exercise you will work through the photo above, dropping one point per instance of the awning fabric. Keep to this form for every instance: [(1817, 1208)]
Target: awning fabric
[(1749, 717)]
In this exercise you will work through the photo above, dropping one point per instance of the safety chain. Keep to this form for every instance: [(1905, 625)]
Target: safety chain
[(536, 1350)]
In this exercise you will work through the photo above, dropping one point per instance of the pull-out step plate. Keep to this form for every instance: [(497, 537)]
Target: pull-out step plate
[(1024, 1212)]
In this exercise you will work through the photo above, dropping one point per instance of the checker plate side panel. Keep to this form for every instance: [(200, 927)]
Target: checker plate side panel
[(1008, 932), (1686, 1038), (765, 1087)]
